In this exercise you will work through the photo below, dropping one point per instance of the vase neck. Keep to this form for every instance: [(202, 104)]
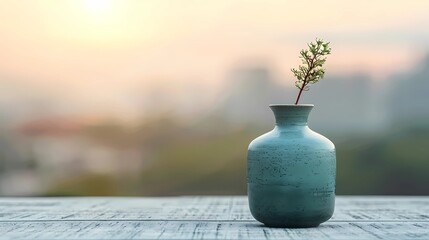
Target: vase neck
[(295, 115)]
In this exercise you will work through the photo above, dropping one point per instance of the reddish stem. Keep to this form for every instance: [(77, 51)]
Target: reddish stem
[(299, 95), (310, 67)]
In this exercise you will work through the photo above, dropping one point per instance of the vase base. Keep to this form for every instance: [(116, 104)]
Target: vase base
[(310, 225)]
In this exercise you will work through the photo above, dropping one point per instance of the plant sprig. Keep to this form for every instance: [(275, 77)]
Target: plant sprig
[(311, 69)]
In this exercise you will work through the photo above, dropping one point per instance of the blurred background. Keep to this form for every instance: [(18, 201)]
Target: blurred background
[(147, 98)]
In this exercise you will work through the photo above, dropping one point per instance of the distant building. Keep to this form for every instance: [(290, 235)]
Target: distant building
[(248, 93), (345, 104), (408, 102)]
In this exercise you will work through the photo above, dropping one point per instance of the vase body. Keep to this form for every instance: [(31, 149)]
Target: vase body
[(291, 172)]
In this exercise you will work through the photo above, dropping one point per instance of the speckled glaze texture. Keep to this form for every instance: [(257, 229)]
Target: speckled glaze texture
[(291, 172)]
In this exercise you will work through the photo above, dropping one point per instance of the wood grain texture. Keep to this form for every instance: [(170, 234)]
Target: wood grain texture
[(203, 218)]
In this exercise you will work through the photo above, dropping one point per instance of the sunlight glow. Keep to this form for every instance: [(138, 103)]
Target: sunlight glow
[(101, 23), (98, 7)]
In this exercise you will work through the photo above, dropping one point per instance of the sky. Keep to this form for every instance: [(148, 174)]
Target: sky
[(107, 54)]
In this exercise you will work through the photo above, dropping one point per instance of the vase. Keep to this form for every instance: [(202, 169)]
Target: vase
[(291, 172)]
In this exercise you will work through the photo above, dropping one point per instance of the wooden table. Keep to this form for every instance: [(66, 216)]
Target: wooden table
[(203, 218)]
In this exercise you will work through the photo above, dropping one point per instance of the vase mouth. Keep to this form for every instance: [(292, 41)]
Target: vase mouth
[(290, 105), (291, 114)]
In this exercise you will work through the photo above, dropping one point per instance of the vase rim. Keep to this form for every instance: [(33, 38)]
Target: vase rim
[(290, 105)]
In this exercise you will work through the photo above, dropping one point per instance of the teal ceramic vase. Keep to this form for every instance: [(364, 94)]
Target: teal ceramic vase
[(291, 172)]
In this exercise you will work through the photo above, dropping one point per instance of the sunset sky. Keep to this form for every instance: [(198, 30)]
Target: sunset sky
[(104, 53)]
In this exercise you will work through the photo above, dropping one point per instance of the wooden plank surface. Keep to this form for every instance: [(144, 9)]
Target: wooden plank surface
[(203, 218)]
